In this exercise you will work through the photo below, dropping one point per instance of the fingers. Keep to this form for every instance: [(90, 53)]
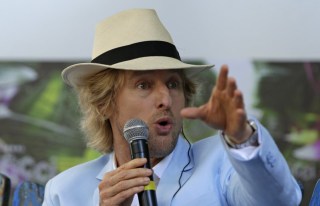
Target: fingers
[(227, 88), (233, 93), (223, 96), (191, 113), (119, 185), (231, 87), (124, 189), (131, 178), (222, 78), (225, 108), (238, 99), (135, 163)]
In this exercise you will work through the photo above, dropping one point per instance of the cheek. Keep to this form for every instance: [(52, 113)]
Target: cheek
[(179, 101), (132, 106), (177, 105)]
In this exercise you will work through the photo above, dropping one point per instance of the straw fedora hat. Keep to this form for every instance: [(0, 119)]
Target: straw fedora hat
[(134, 39)]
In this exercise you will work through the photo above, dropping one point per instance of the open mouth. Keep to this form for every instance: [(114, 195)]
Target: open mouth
[(163, 123), (164, 126)]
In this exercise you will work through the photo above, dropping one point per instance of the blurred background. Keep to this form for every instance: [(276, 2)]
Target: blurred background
[(271, 47)]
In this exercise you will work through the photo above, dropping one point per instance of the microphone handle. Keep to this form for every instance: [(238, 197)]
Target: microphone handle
[(139, 149), (147, 198)]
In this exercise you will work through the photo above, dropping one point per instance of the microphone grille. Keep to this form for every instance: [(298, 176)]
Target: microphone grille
[(135, 129)]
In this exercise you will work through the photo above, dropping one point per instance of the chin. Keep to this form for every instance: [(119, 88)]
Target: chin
[(162, 148)]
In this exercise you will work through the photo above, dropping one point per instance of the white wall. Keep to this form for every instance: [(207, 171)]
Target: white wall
[(212, 29)]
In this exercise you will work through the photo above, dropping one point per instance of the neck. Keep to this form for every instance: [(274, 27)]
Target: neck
[(122, 155), (155, 161)]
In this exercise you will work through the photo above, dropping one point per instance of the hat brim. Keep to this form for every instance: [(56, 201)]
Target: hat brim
[(75, 74)]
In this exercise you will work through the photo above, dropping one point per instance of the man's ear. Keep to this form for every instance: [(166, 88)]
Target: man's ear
[(106, 112), (102, 111)]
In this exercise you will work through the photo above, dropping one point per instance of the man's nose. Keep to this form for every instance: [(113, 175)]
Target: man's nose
[(164, 100)]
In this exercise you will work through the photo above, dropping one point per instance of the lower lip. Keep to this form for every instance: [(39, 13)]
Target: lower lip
[(163, 130)]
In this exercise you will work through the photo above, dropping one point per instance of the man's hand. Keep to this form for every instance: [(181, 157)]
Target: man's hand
[(119, 185), (225, 109)]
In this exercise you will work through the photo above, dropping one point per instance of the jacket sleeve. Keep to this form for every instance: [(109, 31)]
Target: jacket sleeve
[(262, 179)]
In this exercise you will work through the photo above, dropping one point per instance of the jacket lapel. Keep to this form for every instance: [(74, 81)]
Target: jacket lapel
[(178, 166), (107, 168)]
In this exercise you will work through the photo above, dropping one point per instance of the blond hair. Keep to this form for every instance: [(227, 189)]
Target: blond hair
[(97, 96)]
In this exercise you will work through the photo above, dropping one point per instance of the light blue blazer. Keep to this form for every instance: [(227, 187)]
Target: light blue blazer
[(213, 177)]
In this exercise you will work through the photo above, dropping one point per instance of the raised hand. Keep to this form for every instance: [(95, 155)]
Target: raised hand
[(225, 109)]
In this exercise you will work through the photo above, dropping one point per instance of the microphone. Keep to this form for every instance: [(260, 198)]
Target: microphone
[(136, 132)]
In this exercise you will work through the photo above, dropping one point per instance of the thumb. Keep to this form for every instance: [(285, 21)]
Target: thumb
[(191, 113)]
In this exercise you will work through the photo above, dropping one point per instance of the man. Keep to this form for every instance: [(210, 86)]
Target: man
[(136, 72)]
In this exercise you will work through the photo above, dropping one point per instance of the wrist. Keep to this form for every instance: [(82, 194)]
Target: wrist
[(251, 140)]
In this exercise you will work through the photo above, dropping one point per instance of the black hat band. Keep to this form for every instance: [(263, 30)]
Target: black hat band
[(137, 50)]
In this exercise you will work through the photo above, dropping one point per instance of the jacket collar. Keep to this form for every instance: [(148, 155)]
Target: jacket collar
[(108, 167)]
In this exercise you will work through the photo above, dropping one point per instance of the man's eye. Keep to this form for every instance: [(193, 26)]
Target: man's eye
[(173, 85), (143, 85)]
